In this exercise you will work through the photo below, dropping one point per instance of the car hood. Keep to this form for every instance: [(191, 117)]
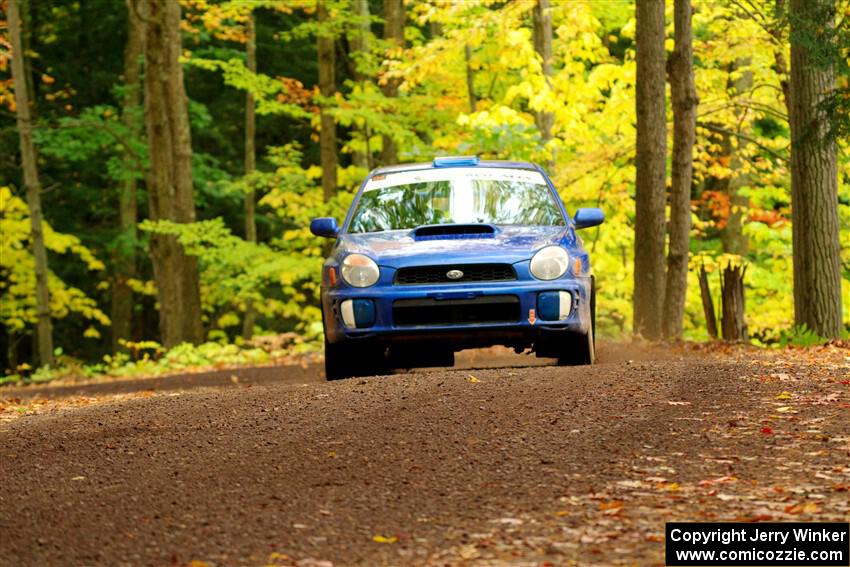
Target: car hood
[(399, 249)]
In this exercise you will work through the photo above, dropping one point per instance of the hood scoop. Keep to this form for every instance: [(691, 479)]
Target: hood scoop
[(453, 231)]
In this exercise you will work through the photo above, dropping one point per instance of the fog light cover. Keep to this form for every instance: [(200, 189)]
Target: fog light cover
[(357, 313), (554, 305)]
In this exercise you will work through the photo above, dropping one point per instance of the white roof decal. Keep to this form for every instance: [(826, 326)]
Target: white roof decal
[(456, 174)]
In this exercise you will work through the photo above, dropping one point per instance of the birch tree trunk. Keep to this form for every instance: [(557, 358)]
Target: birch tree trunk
[(250, 163), (684, 131), (814, 183), (125, 256), (327, 88), (44, 327), (170, 178), (651, 159), (394, 34)]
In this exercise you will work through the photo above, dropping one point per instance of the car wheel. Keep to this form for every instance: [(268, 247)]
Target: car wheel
[(349, 361), (593, 308), (578, 350)]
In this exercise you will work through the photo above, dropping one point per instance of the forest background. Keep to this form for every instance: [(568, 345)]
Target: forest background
[(289, 104)]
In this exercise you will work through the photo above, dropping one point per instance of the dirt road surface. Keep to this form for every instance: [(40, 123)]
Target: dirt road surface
[(507, 465)]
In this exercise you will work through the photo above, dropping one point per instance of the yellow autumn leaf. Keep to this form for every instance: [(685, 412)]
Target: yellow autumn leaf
[(91, 333), (383, 539)]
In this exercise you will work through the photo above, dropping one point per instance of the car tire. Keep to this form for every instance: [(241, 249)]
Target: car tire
[(579, 349), (593, 308), (349, 361)]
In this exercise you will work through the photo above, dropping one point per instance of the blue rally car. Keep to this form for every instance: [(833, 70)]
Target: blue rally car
[(459, 253)]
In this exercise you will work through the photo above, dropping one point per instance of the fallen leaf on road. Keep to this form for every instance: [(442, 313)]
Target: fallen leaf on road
[(784, 396), (672, 403), (611, 508), (468, 551), (718, 480), (384, 539), (805, 508), (509, 521), (472, 379)]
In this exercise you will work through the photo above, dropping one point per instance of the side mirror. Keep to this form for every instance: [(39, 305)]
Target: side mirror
[(585, 218), (325, 226)]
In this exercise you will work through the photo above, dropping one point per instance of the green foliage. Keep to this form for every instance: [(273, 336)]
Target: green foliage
[(17, 272), (267, 92), (235, 272), (148, 358), (800, 336), (87, 152)]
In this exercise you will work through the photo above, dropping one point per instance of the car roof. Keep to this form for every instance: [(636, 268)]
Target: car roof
[(430, 165)]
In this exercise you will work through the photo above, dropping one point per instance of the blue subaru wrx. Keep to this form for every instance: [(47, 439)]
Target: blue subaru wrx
[(459, 253)]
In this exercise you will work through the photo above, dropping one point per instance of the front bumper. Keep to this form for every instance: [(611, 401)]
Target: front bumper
[(522, 331)]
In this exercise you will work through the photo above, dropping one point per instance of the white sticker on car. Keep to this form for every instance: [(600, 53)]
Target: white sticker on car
[(454, 174)]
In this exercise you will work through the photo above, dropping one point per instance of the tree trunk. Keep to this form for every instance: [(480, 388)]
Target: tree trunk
[(470, 77), (651, 170), (394, 34), (684, 131), (542, 17), (732, 234), (779, 53), (707, 304), (327, 89), (359, 42), (250, 164), (125, 255), (27, 13), (814, 185), (170, 178), (44, 330), (733, 323)]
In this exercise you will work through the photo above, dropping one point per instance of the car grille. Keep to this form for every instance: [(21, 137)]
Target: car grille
[(420, 275), (429, 311)]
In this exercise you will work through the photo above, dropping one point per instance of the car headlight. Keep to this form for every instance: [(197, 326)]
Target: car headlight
[(359, 270), (549, 263)]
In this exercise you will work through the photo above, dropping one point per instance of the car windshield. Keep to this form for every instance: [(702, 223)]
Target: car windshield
[(493, 195)]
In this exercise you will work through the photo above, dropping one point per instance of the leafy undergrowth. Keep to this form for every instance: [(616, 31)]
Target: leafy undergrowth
[(149, 359)]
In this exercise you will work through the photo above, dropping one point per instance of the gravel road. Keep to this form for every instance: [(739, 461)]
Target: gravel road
[(511, 465)]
